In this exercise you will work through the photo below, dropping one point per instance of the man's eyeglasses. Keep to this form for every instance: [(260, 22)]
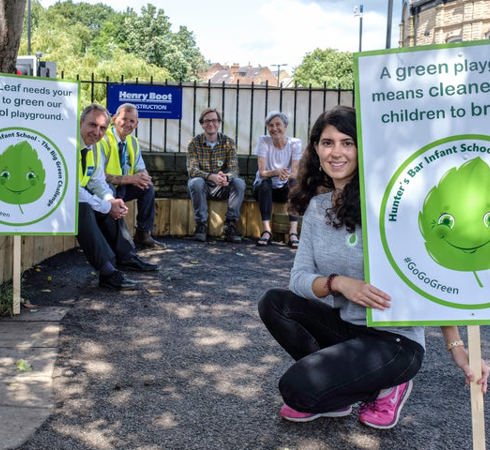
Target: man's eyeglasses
[(206, 121)]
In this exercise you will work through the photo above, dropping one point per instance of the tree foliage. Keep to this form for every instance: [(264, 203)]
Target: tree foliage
[(84, 38), (149, 36), (91, 16), (325, 66)]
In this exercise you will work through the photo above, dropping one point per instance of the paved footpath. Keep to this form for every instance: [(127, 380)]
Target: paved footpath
[(185, 363), (26, 397)]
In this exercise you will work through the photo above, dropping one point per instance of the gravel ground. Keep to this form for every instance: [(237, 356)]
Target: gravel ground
[(185, 363)]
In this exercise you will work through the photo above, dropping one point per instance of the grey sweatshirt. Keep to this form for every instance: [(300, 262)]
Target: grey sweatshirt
[(324, 250)]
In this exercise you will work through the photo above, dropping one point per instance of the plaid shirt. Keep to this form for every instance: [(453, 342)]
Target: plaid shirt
[(203, 160)]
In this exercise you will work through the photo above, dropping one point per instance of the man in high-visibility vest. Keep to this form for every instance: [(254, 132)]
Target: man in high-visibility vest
[(102, 232), (126, 171)]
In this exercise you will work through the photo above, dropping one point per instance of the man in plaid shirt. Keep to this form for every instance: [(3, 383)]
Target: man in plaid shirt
[(212, 165)]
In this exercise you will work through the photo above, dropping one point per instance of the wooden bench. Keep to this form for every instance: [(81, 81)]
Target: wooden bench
[(175, 217)]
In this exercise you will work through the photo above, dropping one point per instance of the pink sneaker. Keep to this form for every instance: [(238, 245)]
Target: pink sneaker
[(384, 413), (288, 413)]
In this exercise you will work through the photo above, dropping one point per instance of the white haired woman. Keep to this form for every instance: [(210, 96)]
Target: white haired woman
[(278, 161)]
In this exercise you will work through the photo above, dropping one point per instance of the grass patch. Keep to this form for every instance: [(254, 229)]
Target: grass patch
[(6, 298)]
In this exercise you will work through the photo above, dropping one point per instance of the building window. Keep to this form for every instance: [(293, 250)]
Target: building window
[(457, 38), (487, 35)]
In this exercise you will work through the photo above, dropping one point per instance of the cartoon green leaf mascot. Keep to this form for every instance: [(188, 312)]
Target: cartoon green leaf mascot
[(455, 218), (21, 175)]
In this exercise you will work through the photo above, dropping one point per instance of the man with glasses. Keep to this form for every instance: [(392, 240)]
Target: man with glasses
[(212, 165)]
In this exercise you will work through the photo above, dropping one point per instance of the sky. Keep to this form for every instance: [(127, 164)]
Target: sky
[(272, 32)]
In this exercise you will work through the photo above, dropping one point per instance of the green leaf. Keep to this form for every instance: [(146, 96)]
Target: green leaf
[(23, 366), (455, 218), (21, 175)]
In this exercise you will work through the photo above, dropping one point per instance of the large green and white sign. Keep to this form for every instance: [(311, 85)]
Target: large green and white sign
[(424, 149), (38, 155)]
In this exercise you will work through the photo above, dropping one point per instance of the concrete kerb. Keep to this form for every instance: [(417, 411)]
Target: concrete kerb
[(26, 397)]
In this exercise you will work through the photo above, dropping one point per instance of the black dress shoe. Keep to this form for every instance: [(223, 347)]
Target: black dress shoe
[(116, 280), (136, 264)]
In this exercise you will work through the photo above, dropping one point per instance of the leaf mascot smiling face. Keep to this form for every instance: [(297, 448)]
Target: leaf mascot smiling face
[(455, 218), (22, 175)]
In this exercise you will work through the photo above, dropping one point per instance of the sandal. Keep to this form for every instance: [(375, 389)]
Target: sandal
[(263, 240), (293, 240)]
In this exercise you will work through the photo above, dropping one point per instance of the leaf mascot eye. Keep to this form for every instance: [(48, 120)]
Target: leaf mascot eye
[(486, 219), (446, 220), (4, 176), (31, 177)]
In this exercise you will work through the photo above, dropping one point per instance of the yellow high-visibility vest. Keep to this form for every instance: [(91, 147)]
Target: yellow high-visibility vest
[(90, 165), (111, 152)]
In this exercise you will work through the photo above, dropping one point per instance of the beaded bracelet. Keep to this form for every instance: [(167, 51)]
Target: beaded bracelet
[(454, 344), (328, 283)]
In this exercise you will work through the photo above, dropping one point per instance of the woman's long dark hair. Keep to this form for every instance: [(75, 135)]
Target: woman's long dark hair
[(312, 180)]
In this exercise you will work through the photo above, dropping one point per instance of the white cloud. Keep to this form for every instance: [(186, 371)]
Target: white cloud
[(265, 32)]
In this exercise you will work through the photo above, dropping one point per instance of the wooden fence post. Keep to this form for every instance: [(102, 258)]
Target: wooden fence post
[(477, 413), (16, 274)]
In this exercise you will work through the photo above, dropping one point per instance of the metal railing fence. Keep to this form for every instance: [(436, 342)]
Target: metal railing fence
[(243, 108)]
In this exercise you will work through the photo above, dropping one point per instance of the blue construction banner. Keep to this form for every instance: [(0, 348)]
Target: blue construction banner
[(153, 101)]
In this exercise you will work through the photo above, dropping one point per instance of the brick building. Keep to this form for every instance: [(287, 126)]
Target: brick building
[(427, 22), (218, 74)]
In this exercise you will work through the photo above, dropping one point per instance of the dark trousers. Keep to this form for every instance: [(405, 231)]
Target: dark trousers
[(145, 199), (266, 194), (200, 190), (337, 363), (102, 238)]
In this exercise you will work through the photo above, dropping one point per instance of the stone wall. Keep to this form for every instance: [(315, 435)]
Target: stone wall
[(438, 22), (169, 173)]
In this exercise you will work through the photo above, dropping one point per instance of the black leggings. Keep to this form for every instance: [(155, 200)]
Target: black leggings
[(337, 363), (266, 194)]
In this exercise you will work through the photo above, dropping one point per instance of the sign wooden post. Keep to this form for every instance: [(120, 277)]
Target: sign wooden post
[(39, 162), (424, 178), (16, 275), (477, 411)]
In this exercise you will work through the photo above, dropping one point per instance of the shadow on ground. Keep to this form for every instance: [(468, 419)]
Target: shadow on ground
[(185, 363)]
